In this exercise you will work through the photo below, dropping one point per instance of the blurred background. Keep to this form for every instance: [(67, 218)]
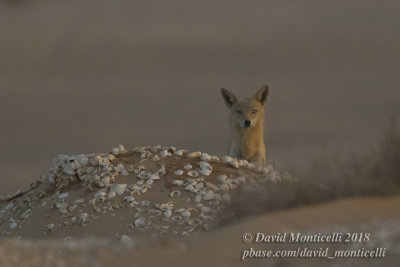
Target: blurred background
[(84, 76)]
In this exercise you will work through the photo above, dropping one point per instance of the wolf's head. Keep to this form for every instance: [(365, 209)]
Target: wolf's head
[(248, 112)]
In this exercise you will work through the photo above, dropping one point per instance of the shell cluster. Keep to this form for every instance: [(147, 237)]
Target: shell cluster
[(81, 188)]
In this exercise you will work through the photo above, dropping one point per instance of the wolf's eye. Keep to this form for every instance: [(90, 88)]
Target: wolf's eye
[(239, 112), (254, 111)]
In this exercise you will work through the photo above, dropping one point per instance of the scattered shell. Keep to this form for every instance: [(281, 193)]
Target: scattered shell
[(162, 170), (129, 199), (154, 177), (126, 239), (111, 194), (193, 173), (119, 189), (192, 155), (145, 203), (63, 195), (167, 213), (164, 153), (144, 175), (50, 226), (13, 224), (186, 214), (149, 182), (179, 152), (175, 194), (177, 182), (205, 172), (140, 222), (155, 158), (131, 168), (205, 157), (188, 167), (178, 172)]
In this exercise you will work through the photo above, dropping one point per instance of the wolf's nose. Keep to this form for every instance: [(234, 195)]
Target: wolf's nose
[(246, 123)]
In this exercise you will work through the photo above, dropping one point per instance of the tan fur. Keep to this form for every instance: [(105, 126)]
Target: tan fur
[(247, 142)]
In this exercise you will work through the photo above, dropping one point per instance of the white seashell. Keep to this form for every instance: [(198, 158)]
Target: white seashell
[(83, 216), (188, 167), (144, 175), (192, 155), (50, 226), (189, 187), (115, 151), (131, 168), (84, 161), (126, 239), (234, 163), (63, 195), (111, 194), (175, 194), (243, 163), (205, 209), (120, 167), (121, 148), (13, 224), (227, 159), (205, 157), (208, 196), (186, 214), (177, 182), (111, 157), (164, 153), (193, 173), (145, 203), (124, 172), (155, 158), (162, 170), (215, 158), (119, 189), (140, 222), (198, 198), (149, 182), (199, 185), (205, 172), (129, 199), (154, 177), (179, 152), (178, 172), (212, 186), (167, 213), (100, 194)]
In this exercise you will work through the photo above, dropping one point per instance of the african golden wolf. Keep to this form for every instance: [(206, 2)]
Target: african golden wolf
[(247, 125)]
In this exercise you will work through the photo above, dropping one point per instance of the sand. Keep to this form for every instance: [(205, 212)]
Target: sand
[(91, 210)]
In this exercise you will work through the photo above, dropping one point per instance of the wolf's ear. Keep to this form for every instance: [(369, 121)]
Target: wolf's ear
[(262, 94), (229, 97)]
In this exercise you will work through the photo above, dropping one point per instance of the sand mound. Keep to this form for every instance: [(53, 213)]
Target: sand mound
[(125, 194)]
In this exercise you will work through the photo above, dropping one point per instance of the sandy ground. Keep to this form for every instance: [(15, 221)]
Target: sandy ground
[(158, 205), (224, 246)]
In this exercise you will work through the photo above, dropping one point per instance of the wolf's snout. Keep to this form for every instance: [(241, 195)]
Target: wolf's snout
[(247, 123)]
